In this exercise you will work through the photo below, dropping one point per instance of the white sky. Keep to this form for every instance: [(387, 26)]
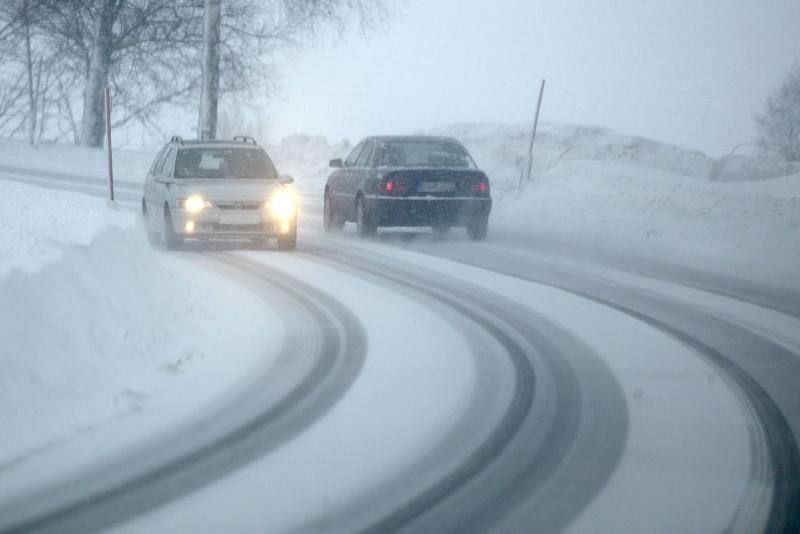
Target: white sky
[(692, 72)]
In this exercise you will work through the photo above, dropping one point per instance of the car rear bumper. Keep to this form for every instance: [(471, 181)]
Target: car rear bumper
[(426, 211)]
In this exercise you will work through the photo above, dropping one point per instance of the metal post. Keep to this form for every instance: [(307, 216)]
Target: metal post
[(108, 142), (533, 132)]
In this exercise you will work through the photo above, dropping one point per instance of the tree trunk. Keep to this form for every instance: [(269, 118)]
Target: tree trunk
[(209, 96), (93, 124), (29, 66)]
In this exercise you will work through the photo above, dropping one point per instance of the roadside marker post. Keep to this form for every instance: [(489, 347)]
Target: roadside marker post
[(112, 201), (533, 138)]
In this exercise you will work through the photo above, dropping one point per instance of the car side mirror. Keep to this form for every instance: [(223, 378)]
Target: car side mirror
[(336, 163), (286, 179)]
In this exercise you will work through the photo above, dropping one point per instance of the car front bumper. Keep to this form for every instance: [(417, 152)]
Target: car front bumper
[(214, 223), (426, 211)]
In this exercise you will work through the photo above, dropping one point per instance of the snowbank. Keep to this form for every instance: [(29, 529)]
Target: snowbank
[(93, 325), (500, 150), (129, 165), (40, 225), (745, 229), (599, 189)]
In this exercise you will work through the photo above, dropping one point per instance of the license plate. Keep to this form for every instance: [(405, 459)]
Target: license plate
[(240, 217), (436, 187)]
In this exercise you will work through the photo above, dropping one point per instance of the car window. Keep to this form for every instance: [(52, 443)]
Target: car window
[(366, 156), (351, 159), (160, 166), (157, 160), (425, 153), (224, 163), (169, 163)]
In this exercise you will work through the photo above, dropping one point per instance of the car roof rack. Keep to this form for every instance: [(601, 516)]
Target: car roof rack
[(245, 139), (176, 139)]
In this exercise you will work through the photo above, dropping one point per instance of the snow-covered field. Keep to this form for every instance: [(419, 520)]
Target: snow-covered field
[(96, 329), (137, 339), (591, 186)]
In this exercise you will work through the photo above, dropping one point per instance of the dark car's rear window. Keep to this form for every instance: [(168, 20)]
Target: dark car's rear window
[(425, 153), (224, 163)]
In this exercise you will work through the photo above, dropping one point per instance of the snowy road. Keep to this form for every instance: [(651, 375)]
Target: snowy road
[(502, 385)]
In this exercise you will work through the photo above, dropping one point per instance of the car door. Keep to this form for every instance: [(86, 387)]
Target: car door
[(149, 185), (343, 195), (362, 168), (160, 188)]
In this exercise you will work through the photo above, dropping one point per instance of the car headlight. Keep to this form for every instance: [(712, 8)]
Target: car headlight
[(194, 204), (282, 205)]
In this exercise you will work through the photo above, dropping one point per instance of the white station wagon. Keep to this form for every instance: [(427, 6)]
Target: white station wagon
[(218, 190)]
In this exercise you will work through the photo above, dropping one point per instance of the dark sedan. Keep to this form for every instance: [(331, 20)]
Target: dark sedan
[(415, 181)]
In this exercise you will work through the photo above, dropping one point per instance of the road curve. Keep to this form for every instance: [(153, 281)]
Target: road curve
[(763, 372), (522, 465), (568, 415), (314, 368)]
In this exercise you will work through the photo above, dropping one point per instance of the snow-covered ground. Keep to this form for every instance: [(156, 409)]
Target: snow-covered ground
[(137, 339), (97, 329)]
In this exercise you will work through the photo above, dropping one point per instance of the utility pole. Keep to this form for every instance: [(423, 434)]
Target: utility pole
[(32, 112), (209, 96), (107, 101), (533, 132)]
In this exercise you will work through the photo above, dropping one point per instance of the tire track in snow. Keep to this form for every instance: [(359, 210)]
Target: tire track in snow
[(245, 428), (768, 391), (534, 444)]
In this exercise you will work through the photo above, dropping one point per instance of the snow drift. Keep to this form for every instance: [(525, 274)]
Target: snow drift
[(93, 324)]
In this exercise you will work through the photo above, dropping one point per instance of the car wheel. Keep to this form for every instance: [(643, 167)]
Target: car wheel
[(173, 240), (477, 228), (364, 225), (288, 242), (440, 229), (330, 219)]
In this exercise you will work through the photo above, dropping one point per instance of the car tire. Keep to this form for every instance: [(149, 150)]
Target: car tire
[(364, 225), (288, 242), (330, 219), (173, 240), (477, 228)]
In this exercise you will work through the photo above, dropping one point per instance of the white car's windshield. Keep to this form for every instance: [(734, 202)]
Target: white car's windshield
[(224, 163)]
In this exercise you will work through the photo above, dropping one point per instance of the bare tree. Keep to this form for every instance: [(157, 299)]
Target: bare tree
[(150, 51), (146, 48), (779, 125), (209, 93), (254, 32), (16, 33)]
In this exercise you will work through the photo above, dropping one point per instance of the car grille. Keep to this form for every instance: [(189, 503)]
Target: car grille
[(238, 227), (238, 205)]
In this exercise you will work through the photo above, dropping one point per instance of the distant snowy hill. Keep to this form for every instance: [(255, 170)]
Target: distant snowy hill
[(501, 149)]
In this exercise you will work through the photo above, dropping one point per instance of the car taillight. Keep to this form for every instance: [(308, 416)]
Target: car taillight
[(478, 186), (393, 184)]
